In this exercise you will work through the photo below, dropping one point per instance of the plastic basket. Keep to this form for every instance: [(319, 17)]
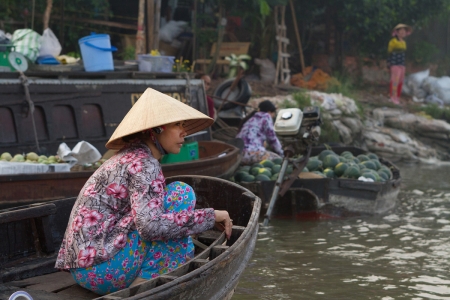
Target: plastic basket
[(159, 64)]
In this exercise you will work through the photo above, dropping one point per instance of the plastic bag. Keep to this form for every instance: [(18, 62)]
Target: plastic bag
[(49, 44), (171, 30), (27, 42), (82, 153), (441, 89), (267, 69), (415, 81)]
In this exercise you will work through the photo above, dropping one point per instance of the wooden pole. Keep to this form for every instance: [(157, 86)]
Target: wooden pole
[(140, 38), (47, 13), (157, 24), (150, 24), (32, 14), (299, 41), (61, 30), (194, 38)]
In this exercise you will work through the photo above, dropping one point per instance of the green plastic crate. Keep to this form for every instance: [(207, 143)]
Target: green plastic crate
[(188, 152)]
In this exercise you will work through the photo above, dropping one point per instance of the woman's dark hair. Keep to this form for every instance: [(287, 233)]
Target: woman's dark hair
[(264, 106), (133, 136)]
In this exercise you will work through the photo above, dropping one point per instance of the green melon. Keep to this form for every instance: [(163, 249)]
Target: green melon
[(363, 157), (376, 162), (262, 177), (274, 176), (372, 156), (370, 175), (314, 164), (386, 170), (352, 172), (289, 169), (369, 164), (248, 178), (276, 168), (342, 159), (277, 161), (347, 154), (264, 171), (257, 165), (239, 174), (245, 168), (267, 163), (355, 160), (330, 161), (329, 173), (254, 171), (325, 153), (305, 169), (340, 169), (384, 176)]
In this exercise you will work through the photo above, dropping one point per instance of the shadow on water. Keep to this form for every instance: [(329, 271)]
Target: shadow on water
[(399, 255)]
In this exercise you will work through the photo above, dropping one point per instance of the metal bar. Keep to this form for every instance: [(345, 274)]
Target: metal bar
[(274, 197)]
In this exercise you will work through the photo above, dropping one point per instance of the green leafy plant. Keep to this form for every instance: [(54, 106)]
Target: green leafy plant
[(424, 52), (129, 53), (182, 65), (236, 62)]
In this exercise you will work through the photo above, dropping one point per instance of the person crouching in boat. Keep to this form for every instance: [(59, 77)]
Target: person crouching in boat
[(257, 128), (127, 226)]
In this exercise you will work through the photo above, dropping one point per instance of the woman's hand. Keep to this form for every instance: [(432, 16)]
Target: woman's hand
[(223, 222)]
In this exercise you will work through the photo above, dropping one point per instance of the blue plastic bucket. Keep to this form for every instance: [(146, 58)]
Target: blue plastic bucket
[(96, 51)]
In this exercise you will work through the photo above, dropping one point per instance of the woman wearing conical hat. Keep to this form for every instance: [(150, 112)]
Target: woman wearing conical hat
[(396, 60), (127, 225)]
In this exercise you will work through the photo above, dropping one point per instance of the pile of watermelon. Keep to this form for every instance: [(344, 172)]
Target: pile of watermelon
[(326, 164), (331, 165)]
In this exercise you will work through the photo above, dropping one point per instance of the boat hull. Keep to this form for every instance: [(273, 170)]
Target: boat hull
[(217, 159)]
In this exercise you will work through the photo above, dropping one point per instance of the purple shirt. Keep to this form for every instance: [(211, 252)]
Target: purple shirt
[(258, 129)]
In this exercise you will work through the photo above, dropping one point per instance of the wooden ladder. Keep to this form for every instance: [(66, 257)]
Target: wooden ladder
[(283, 73)]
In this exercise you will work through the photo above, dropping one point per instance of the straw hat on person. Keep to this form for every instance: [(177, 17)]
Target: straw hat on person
[(154, 109), (408, 29)]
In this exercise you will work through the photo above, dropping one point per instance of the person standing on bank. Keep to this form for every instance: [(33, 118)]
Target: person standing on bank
[(396, 60), (127, 226), (256, 129)]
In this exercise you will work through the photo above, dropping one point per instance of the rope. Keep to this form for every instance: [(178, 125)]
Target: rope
[(25, 84)]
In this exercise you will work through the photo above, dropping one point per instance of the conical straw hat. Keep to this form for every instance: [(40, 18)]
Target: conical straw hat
[(154, 109), (407, 28)]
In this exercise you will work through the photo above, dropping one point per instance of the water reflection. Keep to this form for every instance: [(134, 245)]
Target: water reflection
[(401, 255)]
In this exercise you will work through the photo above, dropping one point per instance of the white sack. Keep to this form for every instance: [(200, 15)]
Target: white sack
[(83, 153), (49, 44)]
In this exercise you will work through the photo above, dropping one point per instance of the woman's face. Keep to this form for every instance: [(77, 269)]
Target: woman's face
[(172, 138), (401, 33)]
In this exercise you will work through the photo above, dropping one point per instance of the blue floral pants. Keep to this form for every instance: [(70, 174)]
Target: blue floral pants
[(141, 258)]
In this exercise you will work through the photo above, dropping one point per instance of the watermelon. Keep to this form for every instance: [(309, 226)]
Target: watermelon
[(305, 169), (340, 169), (347, 154), (376, 162), (257, 165), (352, 172), (248, 178), (386, 170), (372, 156), (362, 157), (369, 164), (342, 159), (239, 174), (245, 168), (264, 171), (262, 177), (330, 161), (276, 168), (277, 161), (267, 163), (384, 176), (319, 173), (314, 164), (289, 169), (325, 153), (329, 173), (370, 175), (254, 171), (274, 176)]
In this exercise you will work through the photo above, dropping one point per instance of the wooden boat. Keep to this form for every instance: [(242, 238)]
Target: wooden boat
[(330, 198), (216, 159), (34, 234)]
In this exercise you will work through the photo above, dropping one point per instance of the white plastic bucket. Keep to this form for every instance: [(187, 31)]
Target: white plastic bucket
[(96, 51)]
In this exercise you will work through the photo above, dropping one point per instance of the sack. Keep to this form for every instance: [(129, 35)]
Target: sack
[(49, 44), (27, 42), (171, 30)]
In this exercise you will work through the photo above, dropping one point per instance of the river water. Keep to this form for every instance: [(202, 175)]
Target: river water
[(404, 254)]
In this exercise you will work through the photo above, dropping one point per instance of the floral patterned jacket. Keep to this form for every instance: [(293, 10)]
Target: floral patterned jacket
[(124, 194), (258, 129)]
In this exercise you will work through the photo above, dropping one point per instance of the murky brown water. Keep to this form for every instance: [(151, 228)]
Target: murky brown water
[(404, 254)]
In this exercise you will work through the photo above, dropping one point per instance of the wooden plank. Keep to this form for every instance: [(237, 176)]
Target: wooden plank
[(230, 48), (50, 283), (282, 39), (199, 263), (284, 54), (217, 250), (33, 211), (150, 24)]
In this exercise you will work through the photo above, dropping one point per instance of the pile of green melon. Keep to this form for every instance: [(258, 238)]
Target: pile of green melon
[(346, 165), (327, 164), (262, 171), (31, 157)]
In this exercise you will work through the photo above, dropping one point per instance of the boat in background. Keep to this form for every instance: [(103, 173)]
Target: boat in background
[(319, 198), (216, 159), (27, 260)]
